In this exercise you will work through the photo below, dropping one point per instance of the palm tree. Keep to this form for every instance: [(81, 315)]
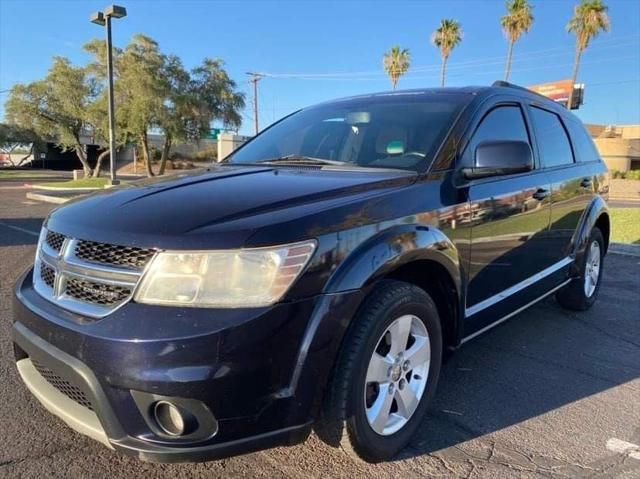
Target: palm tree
[(589, 19), (396, 63), (517, 21), (446, 38)]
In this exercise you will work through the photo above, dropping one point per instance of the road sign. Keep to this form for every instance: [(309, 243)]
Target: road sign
[(213, 134)]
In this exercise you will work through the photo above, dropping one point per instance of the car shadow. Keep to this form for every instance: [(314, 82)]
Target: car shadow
[(19, 231), (541, 360)]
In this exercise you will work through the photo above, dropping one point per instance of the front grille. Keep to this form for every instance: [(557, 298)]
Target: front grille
[(65, 387), (87, 277), (110, 254), (96, 293), (47, 274), (54, 240)]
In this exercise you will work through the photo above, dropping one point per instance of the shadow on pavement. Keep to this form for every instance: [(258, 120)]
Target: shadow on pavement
[(19, 231), (539, 361)]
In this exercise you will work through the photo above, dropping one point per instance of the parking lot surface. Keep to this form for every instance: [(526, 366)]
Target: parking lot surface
[(550, 393)]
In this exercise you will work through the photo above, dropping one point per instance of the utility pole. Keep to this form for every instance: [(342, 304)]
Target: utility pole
[(255, 78)]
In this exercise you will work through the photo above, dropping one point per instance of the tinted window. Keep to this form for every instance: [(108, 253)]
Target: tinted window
[(553, 142), (582, 143), (386, 131), (501, 123)]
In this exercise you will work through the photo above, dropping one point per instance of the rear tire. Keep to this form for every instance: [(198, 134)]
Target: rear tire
[(582, 292), (380, 367)]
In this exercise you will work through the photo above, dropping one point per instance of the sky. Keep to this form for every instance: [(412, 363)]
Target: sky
[(314, 50)]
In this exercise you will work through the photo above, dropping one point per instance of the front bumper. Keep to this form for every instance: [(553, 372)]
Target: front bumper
[(260, 373)]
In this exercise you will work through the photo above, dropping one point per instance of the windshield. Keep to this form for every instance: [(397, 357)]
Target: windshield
[(386, 131)]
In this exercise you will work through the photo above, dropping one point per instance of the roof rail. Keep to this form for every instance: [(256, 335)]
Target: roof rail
[(506, 84)]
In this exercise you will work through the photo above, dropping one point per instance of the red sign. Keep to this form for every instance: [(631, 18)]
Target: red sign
[(557, 91)]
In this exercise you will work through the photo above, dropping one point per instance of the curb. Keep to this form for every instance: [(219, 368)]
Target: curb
[(625, 249), (60, 188), (49, 198)]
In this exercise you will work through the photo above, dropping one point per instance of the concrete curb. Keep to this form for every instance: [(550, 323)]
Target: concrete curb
[(625, 249), (49, 198), (58, 188)]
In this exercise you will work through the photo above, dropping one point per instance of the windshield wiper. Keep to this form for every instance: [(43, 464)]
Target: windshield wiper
[(301, 159)]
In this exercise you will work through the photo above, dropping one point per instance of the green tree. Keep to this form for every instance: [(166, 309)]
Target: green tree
[(142, 90), (396, 63), (55, 107), (446, 37), (515, 23), (14, 138), (195, 100), (589, 19)]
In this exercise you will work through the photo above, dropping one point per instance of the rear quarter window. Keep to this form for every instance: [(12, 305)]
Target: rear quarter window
[(583, 144), (552, 139)]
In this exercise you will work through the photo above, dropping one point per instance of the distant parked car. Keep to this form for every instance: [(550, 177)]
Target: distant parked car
[(314, 277)]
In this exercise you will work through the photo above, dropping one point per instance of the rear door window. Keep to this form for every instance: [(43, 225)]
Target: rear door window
[(553, 143)]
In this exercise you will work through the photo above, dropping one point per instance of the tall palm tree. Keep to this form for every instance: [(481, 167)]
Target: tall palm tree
[(396, 63), (517, 21), (447, 36), (589, 19)]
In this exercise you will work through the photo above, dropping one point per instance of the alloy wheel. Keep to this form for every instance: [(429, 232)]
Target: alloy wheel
[(592, 269), (397, 375)]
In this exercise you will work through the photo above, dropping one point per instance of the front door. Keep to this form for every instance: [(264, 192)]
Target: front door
[(509, 225)]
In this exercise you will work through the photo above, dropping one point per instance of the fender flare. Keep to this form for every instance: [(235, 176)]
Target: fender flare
[(391, 249), (592, 214)]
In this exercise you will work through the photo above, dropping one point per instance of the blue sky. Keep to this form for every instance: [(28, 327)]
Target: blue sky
[(334, 48)]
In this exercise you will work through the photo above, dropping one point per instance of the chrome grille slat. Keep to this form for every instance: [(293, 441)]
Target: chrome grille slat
[(93, 287)]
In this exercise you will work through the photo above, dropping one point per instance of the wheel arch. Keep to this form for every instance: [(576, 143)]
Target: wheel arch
[(420, 255), (596, 214)]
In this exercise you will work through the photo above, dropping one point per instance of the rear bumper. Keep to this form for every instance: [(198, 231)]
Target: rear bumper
[(268, 399)]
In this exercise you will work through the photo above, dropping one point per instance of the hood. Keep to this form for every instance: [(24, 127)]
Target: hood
[(213, 208)]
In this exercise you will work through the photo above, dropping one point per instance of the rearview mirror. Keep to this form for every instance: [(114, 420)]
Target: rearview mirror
[(495, 158)]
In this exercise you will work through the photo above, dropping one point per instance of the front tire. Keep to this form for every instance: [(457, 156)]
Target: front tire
[(582, 292), (385, 374)]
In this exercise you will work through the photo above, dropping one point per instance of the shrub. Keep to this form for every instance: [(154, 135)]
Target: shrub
[(625, 175), (209, 154)]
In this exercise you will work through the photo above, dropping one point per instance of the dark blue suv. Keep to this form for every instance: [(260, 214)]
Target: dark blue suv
[(314, 278)]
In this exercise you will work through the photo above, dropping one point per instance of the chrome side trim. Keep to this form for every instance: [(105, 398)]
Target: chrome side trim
[(519, 310), (476, 308)]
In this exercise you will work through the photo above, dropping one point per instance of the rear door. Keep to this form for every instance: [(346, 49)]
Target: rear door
[(510, 220), (572, 182)]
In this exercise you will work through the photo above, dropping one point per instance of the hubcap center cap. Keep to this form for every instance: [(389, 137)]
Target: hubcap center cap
[(396, 372)]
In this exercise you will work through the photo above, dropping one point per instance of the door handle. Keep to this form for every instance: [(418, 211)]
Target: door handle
[(541, 194), (585, 183)]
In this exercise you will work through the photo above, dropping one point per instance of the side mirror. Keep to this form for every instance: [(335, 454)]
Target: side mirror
[(495, 158)]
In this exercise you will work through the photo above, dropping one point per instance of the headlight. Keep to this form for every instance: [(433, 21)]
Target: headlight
[(224, 279)]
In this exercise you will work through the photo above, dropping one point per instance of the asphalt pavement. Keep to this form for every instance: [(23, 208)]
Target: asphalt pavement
[(550, 393)]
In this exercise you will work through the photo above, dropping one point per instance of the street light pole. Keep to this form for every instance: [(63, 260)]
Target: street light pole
[(112, 113), (104, 19)]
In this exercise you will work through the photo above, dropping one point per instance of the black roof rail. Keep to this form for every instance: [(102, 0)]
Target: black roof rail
[(506, 84)]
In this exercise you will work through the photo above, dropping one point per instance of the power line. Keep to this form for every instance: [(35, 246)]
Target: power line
[(531, 55)]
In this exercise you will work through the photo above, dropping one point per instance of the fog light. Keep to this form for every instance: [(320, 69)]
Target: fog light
[(172, 419)]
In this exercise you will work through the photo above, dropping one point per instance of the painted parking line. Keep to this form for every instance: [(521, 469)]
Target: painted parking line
[(624, 447), (17, 228)]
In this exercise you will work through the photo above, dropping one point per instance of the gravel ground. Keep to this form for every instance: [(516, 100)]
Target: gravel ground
[(550, 393)]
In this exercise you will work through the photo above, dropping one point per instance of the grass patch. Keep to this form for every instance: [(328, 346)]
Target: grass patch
[(625, 225), (24, 174), (81, 183)]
